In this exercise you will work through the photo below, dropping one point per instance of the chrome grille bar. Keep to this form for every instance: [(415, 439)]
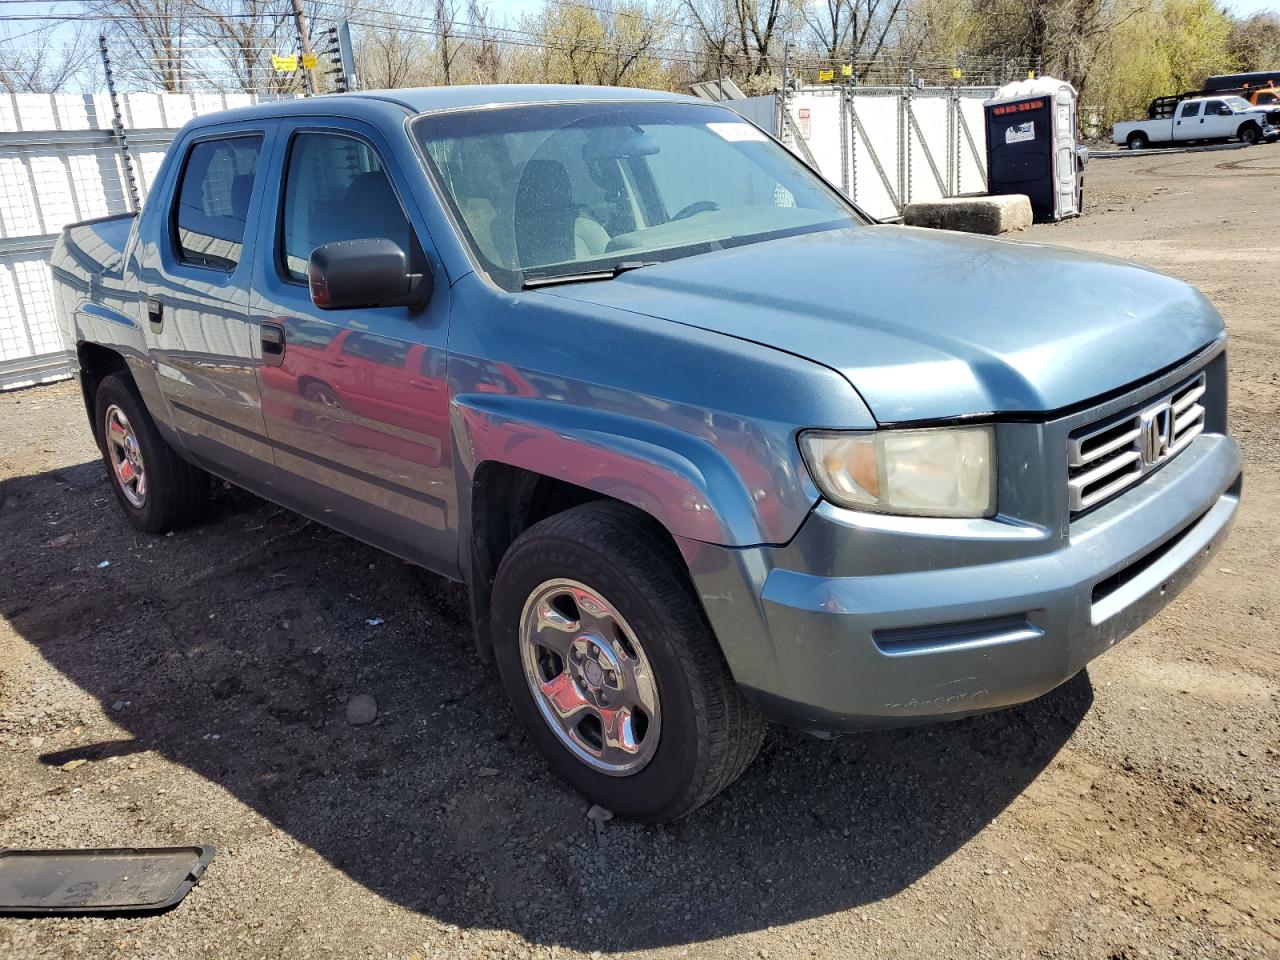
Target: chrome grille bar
[(1103, 460)]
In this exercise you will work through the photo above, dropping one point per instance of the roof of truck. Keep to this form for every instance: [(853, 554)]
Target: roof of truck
[(434, 99)]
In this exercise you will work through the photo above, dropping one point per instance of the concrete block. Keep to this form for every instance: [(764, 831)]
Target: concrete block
[(990, 215)]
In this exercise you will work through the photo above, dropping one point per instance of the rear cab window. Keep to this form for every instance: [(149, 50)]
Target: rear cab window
[(211, 208), (1191, 109)]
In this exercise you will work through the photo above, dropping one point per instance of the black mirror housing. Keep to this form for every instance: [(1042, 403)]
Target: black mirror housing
[(371, 272)]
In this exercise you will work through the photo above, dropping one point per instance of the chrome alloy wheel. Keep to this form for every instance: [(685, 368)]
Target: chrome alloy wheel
[(126, 458), (590, 677)]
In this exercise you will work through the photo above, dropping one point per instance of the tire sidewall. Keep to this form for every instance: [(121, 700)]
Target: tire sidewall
[(114, 392), (662, 783)]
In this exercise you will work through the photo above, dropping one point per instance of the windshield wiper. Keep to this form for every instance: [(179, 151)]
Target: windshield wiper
[(532, 280)]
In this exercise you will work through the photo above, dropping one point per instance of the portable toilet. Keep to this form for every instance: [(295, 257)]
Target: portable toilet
[(1033, 146)]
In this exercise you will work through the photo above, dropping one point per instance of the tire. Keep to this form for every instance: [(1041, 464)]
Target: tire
[(640, 615), (157, 490), (1249, 134), (322, 393), (1138, 141), (321, 396)]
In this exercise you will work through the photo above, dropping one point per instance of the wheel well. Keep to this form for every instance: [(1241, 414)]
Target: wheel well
[(506, 501), (96, 364), (1247, 125), (306, 380)]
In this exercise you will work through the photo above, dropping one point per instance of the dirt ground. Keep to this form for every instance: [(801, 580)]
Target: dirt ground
[(192, 688)]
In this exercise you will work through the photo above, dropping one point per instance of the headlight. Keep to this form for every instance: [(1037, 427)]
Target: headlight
[(942, 472)]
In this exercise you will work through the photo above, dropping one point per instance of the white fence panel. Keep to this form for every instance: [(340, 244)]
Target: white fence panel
[(875, 171), (60, 163), (888, 146), (971, 131)]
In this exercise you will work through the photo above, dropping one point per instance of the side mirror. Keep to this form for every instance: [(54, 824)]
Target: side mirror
[(365, 273)]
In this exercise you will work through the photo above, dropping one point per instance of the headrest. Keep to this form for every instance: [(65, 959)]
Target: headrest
[(544, 185)]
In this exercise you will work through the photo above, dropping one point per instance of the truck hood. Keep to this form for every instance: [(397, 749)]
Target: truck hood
[(928, 324)]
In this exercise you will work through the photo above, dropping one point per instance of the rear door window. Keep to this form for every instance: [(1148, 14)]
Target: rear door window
[(212, 208), (1191, 110)]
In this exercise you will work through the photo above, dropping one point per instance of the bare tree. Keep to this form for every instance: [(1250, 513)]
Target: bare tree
[(390, 56), (446, 15), (152, 34), (487, 58), (745, 33), (46, 60), (1255, 42), (854, 30)]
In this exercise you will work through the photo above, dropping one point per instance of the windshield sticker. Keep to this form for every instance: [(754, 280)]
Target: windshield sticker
[(735, 132), (1021, 132)]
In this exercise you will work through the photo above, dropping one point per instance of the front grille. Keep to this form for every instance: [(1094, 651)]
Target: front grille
[(1104, 459)]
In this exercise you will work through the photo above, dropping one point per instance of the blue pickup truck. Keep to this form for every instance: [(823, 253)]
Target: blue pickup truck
[(708, 446)]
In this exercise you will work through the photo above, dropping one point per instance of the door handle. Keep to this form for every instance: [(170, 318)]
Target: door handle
[(155, 314), (272, 343)]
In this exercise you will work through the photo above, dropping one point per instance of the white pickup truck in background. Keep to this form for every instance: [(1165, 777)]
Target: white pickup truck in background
[(1202, 118)]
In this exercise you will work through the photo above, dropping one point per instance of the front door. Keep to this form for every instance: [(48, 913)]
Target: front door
[(193, 269), (356, 402), (1219, 120)]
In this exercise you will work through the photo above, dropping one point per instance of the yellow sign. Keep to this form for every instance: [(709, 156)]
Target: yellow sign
[(284, 64), (847, 70), (1031, 74), (826, 76), (957, 74), (309, 61)]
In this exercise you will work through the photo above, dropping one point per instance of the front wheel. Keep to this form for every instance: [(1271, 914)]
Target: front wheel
[(1250, 135), (611, 665)]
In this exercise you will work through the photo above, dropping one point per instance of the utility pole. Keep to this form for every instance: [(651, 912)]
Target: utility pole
[(300, 21)]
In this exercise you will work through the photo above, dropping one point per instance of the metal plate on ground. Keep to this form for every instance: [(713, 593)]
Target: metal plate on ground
[(53, 882)]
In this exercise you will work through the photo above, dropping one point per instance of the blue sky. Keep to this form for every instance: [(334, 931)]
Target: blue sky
[(504, 10)]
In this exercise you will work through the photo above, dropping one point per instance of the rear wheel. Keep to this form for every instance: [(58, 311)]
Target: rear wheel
[(157, 490), (1138, 140), (611, 665)]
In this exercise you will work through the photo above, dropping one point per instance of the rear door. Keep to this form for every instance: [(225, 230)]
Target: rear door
[(356, 404), (1188, 124), (193, 268)]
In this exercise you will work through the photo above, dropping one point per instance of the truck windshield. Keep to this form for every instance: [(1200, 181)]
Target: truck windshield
[(1238, 103), (576, 188)]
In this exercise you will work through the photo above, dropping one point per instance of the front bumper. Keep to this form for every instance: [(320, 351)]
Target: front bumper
[(866, 621)]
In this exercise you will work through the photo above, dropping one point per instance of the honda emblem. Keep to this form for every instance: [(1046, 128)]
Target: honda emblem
[(1154, 427)]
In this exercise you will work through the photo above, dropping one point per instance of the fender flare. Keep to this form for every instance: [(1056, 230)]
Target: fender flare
[(682, 481)]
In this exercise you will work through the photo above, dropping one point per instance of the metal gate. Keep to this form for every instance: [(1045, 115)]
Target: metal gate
[(888, 146)]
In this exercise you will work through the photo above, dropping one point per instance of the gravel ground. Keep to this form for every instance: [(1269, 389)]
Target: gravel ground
[(194, 688)]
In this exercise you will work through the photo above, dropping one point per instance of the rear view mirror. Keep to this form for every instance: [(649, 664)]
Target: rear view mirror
[(619, 145), (365, 273)]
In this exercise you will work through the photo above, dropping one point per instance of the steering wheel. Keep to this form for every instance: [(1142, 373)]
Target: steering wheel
[(701, 206)]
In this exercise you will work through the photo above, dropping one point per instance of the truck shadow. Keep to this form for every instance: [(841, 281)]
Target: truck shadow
[(232, 648)]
